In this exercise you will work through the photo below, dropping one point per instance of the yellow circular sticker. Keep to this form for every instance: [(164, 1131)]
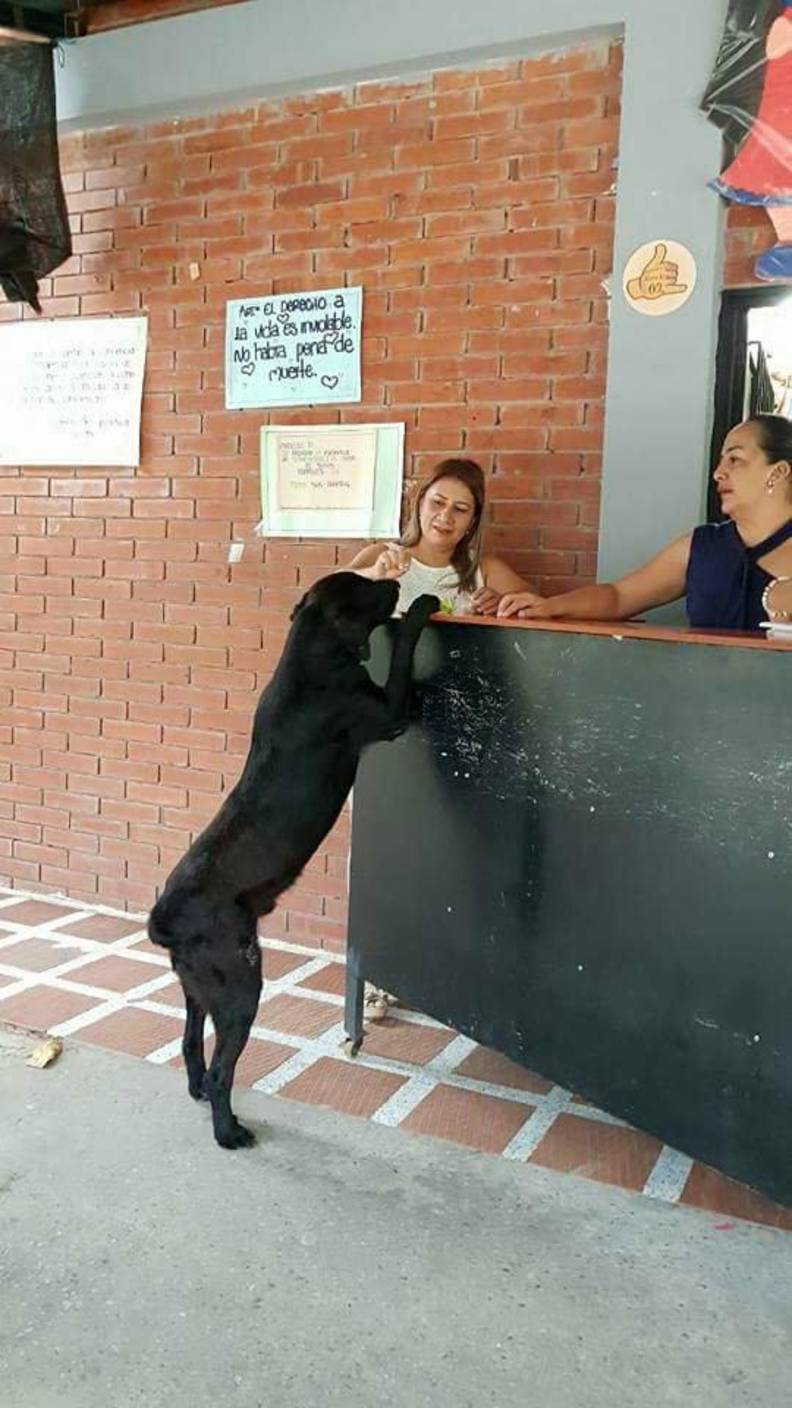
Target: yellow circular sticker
[(659, 278)]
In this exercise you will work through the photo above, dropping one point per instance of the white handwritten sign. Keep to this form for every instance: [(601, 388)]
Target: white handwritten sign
[(293, 349), (331, 481), (330, 470), (71, 391)]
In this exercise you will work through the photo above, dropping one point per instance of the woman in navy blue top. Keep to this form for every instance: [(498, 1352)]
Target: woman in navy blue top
[(722, 569)]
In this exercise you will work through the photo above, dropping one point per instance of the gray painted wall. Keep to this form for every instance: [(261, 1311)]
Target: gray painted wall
[(661, 370)]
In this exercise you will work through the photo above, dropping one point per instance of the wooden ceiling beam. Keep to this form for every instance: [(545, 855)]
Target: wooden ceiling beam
[(115, 14)]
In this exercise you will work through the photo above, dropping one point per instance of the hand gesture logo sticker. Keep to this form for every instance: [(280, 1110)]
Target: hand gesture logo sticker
[(659, 277)]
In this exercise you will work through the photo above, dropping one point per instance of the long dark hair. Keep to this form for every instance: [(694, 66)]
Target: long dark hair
[(467, 553), (775, 437)]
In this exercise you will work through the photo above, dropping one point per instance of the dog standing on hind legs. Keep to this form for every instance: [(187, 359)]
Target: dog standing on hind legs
[(312, 721)]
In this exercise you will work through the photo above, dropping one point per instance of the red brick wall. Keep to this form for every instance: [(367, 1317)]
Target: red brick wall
[(474, 207), (748, 233)]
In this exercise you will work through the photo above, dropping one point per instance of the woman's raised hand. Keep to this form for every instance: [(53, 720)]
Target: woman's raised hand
[(392, 562)]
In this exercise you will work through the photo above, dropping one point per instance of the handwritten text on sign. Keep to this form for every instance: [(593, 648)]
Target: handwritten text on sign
[(293, 349), (328, 469), (331, 481), (71, 391)]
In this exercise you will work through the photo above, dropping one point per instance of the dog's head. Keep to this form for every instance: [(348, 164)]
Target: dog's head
[(351, 606)]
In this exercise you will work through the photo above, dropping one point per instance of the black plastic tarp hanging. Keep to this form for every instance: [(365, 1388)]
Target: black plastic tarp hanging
[(734, 92), (750, 98), (34, 225)]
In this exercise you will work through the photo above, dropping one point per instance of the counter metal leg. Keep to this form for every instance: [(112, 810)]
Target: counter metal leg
[(353, 1005)]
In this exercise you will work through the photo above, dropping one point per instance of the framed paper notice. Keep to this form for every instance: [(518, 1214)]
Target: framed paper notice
[(71, 391), (293, 349), (331, 481)]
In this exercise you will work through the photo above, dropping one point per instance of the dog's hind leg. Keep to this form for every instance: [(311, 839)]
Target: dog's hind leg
[(193, 1048), (232, 1020)]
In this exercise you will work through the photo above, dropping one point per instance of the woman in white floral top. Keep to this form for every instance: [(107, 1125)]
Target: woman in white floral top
[(440, 549)]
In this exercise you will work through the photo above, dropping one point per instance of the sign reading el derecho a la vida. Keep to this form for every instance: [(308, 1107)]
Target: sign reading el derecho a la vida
[(293, 349)]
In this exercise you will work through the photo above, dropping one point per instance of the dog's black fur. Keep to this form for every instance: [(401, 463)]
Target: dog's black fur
[(319, 710)]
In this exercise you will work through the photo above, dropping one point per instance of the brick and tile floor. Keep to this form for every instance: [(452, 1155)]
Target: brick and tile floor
[(92, 976)]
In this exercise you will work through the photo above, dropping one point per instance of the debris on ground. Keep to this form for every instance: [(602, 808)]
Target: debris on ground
[(45, 1053)]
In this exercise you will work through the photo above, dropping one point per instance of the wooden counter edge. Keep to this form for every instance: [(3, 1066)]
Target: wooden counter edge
[(625, 630)]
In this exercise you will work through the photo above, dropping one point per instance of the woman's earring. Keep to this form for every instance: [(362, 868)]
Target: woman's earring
[(770, 486)]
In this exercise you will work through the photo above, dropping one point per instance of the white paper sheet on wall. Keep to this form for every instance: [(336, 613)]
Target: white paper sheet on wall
[(331, 481), (71, 391)]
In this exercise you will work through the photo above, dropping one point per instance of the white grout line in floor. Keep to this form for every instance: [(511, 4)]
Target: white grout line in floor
[(528, 1138), (408, 1097), (667, 1179)]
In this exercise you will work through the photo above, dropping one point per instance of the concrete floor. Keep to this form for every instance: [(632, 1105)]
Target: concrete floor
[(342, 1263)]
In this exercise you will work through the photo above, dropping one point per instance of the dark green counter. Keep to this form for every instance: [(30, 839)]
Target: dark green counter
[(579, 854)]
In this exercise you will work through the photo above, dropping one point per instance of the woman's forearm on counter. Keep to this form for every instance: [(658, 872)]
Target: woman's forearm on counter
[(597, 603)]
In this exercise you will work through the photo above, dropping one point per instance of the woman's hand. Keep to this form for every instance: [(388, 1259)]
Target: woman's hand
[(392, 562), (485, 602), (527, 605)]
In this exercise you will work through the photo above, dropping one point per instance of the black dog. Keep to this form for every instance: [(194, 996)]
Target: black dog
[(319, 710)]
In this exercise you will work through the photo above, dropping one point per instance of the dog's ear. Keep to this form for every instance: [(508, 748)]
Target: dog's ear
[(299, 607)]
